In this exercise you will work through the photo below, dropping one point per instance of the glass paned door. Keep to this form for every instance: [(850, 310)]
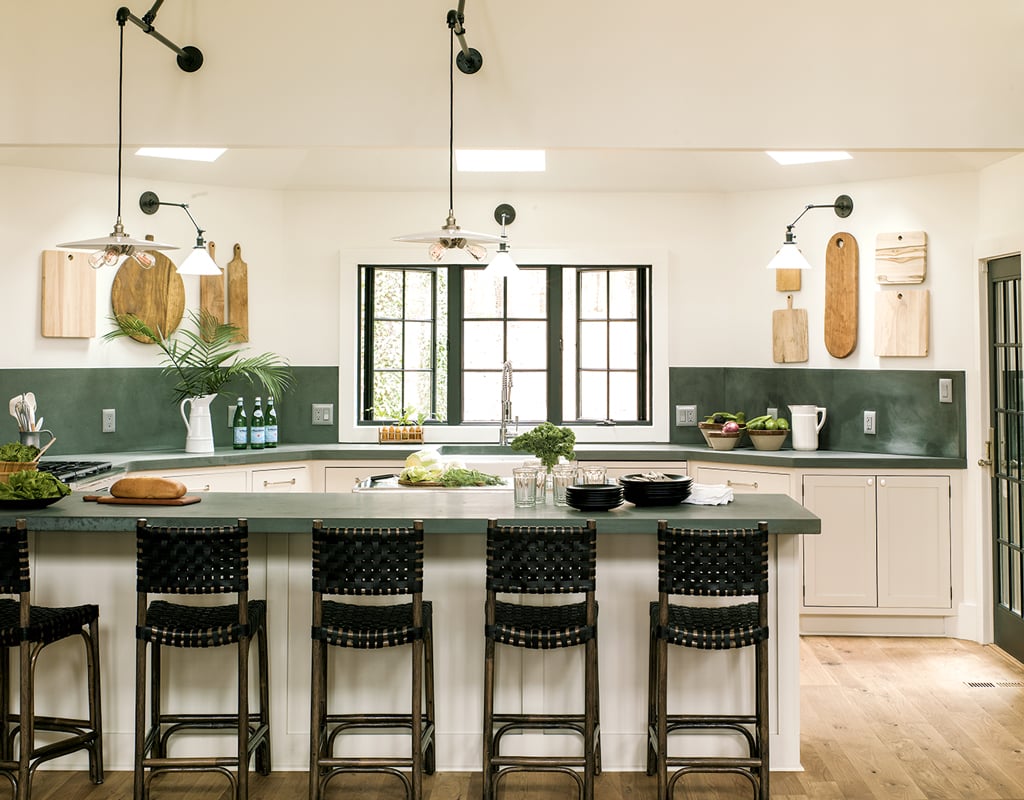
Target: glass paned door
[(1007, 422)]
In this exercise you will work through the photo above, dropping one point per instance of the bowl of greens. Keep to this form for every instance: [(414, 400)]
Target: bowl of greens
[(29, 488), (17, 457)]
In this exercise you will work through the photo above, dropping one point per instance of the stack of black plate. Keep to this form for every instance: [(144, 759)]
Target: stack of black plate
[(664, 490), (594, 496)]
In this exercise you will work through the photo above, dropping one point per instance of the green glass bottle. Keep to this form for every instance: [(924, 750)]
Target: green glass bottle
[(257, 427), (239, 426), (271, 426)]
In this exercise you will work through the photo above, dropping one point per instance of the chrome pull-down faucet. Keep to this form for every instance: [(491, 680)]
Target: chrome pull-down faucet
[(506, 403)]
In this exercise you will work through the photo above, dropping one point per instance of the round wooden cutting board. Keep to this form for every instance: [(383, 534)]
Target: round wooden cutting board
[(155, 295)]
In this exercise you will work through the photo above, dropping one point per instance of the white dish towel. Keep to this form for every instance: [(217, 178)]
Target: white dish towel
[(703, 494)]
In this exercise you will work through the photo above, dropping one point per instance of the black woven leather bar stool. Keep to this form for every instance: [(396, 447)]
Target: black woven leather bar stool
[(715, 563), (29, 629), (197, 561), (371, 561), (541, 560)]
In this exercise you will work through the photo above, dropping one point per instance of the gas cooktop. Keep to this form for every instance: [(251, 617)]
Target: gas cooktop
[(73, 471)]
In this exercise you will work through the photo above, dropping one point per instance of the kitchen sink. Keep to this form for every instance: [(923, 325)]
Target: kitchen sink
[(479, 449)]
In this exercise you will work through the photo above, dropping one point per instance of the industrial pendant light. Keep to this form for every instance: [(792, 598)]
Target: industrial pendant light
[(789, 255), (111, 250), (451, 236), (502, 265), (198, 261)]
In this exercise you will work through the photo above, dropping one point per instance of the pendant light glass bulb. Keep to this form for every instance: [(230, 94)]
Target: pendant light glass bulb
[(478, 251)]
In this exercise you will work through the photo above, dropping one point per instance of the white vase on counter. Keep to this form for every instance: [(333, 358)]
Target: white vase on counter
[(805, 423), (199, 438)]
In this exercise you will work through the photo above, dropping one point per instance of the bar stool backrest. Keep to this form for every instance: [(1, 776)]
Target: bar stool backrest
[(524, 559), (368, 561), (184, 560), (725, 563), (14, 571)]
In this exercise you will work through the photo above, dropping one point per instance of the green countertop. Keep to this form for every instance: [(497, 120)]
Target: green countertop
[(441, 511)]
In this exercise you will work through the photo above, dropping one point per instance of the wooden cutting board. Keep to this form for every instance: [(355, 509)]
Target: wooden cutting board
[(841, 274), (238, 295), (155, 295), (69, 295), (211, 291), (787, 280), (901, 257), (901, 322), (187, 500), (789, 334)]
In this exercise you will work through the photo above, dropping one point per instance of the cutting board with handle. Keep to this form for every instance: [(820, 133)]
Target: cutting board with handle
[(211, 291), (789, 334), (186, 500), (69, 295), (901, 322), (901, 257), (238, 294), (155, 295), (841, 276), (787, 280)]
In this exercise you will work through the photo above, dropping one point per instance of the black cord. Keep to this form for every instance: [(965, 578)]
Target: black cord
[(120, 113), (451, 124)]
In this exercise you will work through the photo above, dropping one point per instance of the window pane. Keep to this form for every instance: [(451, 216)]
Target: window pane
[(482, 345), (528, 294), (593, 345), (593, 299), (419, 353), (387, 394), (528, 345), (482, 295), (387, 293), (622, 391), (482, 396), (529, 396), (417, 392), (594, 395), (418, 289), (387, 345), (622, 350), (622, 294)]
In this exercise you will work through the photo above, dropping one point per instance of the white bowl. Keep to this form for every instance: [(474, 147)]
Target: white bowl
[(767, 440), (722, 441)]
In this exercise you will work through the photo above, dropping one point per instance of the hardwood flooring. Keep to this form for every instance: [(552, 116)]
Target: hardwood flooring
[(882, 718)]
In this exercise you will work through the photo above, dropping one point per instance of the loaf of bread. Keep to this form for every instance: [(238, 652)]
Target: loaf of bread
[(146, 488)]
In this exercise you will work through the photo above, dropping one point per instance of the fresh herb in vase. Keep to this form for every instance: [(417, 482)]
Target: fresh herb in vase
[(548, 442)]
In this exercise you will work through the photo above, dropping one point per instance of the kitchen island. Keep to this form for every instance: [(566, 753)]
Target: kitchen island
[(85, 552)]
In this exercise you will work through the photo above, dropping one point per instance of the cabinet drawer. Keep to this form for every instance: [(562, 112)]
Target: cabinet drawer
[(744, 481), (218, 481), (281, 479), (342, 479)]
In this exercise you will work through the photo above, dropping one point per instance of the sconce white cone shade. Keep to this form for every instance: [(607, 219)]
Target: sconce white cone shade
[(789, 257), (199, 263)]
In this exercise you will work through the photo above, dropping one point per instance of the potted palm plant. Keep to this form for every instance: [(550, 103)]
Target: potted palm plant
[(204, 359)]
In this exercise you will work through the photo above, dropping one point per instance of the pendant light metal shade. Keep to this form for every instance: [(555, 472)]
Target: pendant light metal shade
[(198, 261)]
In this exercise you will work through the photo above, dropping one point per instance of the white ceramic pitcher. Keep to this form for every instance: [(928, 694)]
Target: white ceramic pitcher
[(805, 423), (198, 424)]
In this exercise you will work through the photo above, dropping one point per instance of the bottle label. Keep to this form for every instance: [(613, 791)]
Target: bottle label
[(271, 435), (258, 436), (240, 436)]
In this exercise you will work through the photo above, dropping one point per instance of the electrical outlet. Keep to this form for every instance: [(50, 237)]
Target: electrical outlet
[(109, 420), (869, 423), (323, 413), (686, 416), (772, 412), (945, 390)]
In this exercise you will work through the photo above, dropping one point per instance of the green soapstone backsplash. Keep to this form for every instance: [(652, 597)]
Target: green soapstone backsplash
[(71, 402), (910, 420)]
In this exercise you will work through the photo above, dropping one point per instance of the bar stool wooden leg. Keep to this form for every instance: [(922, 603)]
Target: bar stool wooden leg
[(243, 718), (92, 651), (140, 719), (488, 744), (263, 765), (430, 756)]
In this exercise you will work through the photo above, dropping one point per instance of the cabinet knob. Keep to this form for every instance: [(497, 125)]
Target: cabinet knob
[(881, 481), (871, 481)]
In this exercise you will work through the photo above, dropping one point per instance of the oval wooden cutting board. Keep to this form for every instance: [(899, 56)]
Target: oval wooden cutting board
[(155, 295), (841, 274)]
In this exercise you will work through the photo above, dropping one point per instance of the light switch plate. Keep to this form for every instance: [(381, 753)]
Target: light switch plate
[(686, 416), (323, 413), (869, 423), (945, 390)]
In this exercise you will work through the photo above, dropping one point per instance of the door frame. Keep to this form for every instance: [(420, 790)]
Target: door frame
[(978, 485)]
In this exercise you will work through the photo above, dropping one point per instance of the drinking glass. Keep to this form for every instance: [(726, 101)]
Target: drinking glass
[(562, 476), (594, 474), (524, 485)]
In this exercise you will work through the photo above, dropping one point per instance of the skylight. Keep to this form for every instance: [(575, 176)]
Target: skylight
[(182, 153), (789, 157), (500, 160)]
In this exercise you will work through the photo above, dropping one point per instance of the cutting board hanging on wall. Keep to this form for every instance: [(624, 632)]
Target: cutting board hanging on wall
[(238, 295), (789, 334), (901, 322), (787, 280), (211, 291), (69, 295), (841, 275), (901, 257), (155, 295)]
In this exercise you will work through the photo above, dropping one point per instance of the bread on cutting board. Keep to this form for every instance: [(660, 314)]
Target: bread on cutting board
[(147, 488)]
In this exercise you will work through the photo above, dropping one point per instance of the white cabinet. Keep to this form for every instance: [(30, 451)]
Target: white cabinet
[(342, 479), (743, 481), (214, 480), (884, 543), (281, 479)]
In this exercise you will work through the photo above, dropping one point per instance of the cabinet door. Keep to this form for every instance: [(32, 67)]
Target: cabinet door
[(221, 480), (913, 542), (743, 481), (839, 563), (281, 479), (342, 479)]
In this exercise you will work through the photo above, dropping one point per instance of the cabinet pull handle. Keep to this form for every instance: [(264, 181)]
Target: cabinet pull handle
[(279, 483), (206, 488), (740, 483)]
